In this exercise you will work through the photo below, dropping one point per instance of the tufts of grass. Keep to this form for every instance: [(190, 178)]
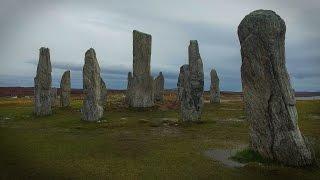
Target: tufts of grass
[(248, 155)]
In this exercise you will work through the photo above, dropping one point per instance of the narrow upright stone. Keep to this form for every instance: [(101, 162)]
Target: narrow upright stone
[(42, 84), (92, 109), (65, 87), (190, 85), (141, 94), (159, 88), (54, 97), (103, 98), (268, 95), (214, 87)]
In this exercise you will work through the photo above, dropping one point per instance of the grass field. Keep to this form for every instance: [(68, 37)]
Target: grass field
[(135, 143)]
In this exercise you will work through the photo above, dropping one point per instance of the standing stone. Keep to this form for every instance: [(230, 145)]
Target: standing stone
[(103, 98), (159, 88), (268, 95), (54, 96), (214, 87), (42, 84), (141, 90), (65, 87), (92, 109), (190, 85)]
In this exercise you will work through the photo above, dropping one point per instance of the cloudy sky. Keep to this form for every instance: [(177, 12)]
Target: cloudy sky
[(69, 28)]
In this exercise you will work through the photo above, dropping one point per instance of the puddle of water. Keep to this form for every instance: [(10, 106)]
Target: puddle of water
[(223, 156)]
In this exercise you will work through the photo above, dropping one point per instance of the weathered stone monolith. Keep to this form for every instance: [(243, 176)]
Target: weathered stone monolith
[(42, 84), (268, 95), (214, 87), (92, 109), (103, 98), (190, 85), (159, 87), (54, 97), (65, 87), (141, 90)]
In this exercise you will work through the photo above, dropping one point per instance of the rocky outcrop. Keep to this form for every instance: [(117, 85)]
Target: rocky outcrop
[(214, 87), (141, 85), (92, 109), (103, 98), (159, 88), (65, 87), (42, 84), (190, 85), (268, 95)]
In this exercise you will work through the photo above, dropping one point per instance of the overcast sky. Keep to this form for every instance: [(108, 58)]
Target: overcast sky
[(69, 28)]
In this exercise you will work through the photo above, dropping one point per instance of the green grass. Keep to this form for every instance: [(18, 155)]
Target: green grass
[(130, 144)]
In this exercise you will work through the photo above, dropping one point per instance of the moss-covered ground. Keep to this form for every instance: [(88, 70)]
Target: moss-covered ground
[(135, 143)]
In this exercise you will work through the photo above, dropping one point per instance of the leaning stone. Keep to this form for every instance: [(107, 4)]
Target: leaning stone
[(42, 84), (214, 87), (159, 88), (268, 95), (141, 90), (92, 109), (65, 87), (190, 85)]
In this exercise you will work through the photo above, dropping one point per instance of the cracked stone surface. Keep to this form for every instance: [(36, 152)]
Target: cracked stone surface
[(159, 87), (140, 93), (65, 86), (214, 87), (190, 85), (42, 84), (92, 109), (268, 95)]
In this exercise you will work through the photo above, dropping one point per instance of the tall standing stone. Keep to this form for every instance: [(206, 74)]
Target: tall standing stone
[(54, 97), (268, 95), (92, 109), (214, 87), (103, 98), (42, 84), (65, 87), (159, 87), (190, 85), (141, 90)]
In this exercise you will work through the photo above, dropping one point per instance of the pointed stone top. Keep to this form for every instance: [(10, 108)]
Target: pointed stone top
[(160, 73), (90, 52), (44, 50), (194, 54)]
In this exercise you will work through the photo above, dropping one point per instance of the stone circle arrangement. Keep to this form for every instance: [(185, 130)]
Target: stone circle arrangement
[(268, 95)]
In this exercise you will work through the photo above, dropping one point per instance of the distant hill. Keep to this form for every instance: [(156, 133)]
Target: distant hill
[(29, 91)]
